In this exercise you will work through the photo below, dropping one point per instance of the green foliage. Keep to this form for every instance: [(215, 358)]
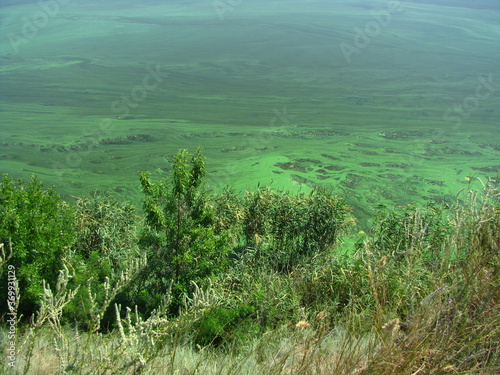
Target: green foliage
[(106, 246), (329, 287), (229, 212), (420, 294), (276, 298), (409, 246), (180, 232), (107, 230), (287, 230), (41, 227), (411, 229), (222, 326)]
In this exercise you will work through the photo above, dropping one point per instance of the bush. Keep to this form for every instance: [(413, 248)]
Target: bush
[(224, 326), (107, 229), (287, 230), (330, 286), (411, 229), (229, 212), (41, 228), (106, 246), (180, 232)]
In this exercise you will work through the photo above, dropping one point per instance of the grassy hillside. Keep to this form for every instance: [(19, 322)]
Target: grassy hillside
[(263, 282)]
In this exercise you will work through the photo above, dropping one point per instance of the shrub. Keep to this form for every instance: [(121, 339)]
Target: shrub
[(40, 227), (330, 286), (412, 229), (105, 249), (224, 326), (180, 230), (229, 213), (106, 227), (287, 229)]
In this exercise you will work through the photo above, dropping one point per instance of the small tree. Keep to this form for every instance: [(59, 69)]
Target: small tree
[(180, 229)]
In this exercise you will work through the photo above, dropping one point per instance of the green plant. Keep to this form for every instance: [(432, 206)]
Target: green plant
[(108, 228), (229, 210), (224, 326), (286, 230), (105, 256), (411, 229), (41, 227), (52, 303), (180, 229), (329, 286)]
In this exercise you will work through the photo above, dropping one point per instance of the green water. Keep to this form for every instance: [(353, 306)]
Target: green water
[(271, 89)]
